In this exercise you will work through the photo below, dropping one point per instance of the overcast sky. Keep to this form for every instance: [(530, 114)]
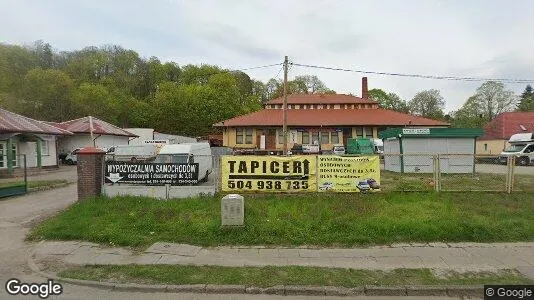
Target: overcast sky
[(476, 38)]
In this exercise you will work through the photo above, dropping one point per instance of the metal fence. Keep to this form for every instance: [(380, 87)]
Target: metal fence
[(16, 179), (455, 172)]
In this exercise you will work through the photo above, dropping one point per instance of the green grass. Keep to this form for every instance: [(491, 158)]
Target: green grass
[(34, 184), (332, 220), (293, 275)]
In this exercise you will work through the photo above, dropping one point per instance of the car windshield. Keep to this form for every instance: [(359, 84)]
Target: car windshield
[(515, 148)]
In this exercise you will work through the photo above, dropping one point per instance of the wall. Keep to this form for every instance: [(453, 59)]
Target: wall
[(160, 192), (69, 143), (443, 146), (143, 133), (49, 159), (494, 147), (229, 137)]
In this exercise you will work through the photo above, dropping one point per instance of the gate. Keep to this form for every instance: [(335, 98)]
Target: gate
[(15, 186)]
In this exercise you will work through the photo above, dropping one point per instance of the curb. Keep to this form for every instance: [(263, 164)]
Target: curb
[(49, 187), (286, 290)]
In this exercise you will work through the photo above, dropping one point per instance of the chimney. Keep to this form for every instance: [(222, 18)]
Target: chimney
[(365, 89)]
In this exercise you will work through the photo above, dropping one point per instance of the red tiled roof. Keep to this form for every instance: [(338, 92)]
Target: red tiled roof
[(330, 117), (14, 123), (504, 125), (321, 99), (99, 127)]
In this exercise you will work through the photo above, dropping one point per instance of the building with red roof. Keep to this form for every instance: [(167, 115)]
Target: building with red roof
[(501, 128), (91, 132), (34, 139), (327, 119)]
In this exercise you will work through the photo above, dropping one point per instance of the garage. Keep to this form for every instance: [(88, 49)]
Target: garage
[(412, 150)]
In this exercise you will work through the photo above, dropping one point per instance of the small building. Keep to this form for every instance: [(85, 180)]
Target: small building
[(35, 139), (325, 119), (402, 147), (104, 134), (501, 128)]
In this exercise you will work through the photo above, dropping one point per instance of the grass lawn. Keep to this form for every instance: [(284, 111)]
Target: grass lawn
[(293, 275), (331, 220)]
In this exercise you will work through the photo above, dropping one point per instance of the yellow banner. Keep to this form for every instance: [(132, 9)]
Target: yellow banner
[(269, 173), (348, 174)]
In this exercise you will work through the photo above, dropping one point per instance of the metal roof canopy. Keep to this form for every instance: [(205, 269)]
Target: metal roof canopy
[(430, 133)]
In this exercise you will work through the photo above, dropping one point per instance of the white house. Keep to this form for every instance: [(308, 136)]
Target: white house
[(91, 132), (20, 136)]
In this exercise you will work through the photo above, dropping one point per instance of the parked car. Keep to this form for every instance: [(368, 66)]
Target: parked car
[(339, 149), (72, 157), (363, 186)]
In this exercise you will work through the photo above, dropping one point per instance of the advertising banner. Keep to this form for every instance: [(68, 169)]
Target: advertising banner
[(348, 174), (151, 173), (269, 173)]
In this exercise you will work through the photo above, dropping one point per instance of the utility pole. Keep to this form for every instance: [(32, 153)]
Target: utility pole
[(284, 126)]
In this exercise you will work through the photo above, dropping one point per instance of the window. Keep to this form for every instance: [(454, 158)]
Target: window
[(325, 137), (529, 149), (306, 137), (335, 137), (44, 148), (14, 155), (248, 136), (359, 132), (239, 136), (2, 155), (368, 131), (280, 136), (315, 137), (485, 147)]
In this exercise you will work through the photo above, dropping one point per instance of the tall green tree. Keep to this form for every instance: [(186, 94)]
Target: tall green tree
[(470, 115), (526, 101), (493, 98), (428, 104), (48, 94), (388, 100)]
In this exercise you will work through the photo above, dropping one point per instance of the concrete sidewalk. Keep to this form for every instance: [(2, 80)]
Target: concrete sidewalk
[(461, 257)]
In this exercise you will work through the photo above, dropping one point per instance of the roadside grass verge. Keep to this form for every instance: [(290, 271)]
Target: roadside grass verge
[(326, 220), (292, 275)]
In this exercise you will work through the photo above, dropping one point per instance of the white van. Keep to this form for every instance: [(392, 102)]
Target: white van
[(522, 147), (188, 153), (132, 153)]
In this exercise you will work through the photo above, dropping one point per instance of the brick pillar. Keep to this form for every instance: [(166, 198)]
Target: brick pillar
[(90, 172)]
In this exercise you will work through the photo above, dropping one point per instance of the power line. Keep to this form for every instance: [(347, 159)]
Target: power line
[(241, 70), (507, 80)]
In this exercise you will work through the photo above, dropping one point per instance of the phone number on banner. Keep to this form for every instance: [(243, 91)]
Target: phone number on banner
[(254, 185)]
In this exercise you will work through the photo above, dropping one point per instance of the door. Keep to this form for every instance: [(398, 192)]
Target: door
[(270, 139), (347, 133)]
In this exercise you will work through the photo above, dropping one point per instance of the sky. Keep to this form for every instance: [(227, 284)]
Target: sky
[(476, 38)]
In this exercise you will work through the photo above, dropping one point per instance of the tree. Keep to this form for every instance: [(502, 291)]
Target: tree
[(470, 115), (428, 104), (47, 93), (309, 84), (492, 98), (526, 102), (388, 100)]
